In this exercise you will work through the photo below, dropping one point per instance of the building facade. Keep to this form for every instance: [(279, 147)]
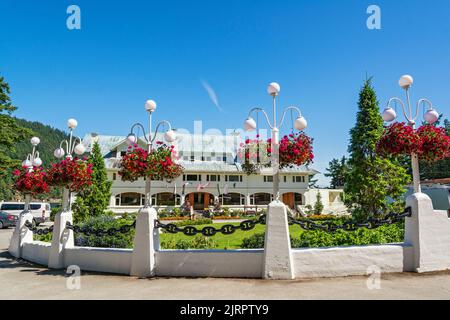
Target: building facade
[(212, 173)]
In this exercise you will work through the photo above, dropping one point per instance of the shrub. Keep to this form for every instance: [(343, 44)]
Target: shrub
[(198, 242), (106, 222), (317, 238)]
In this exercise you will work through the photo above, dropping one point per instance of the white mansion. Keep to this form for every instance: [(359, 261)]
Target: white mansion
[(212, 172)]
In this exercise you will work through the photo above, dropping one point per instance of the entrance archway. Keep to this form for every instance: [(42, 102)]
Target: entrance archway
[(200, 200)]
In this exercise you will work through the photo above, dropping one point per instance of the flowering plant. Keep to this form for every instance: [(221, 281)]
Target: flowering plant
[(254, 155), (295, 149), (74, 174), (399, 139), (133, 164), (435, 144), (157, 164), (31, 181)]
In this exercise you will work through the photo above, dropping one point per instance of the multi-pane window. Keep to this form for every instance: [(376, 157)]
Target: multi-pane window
[(298, 179), (212, 177), (192, 177), (268, 178), (233, 178)]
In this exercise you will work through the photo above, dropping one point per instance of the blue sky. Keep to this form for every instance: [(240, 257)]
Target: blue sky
[(127, 52)]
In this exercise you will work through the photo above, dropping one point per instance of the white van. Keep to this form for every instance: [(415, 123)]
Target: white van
[(39, 210)]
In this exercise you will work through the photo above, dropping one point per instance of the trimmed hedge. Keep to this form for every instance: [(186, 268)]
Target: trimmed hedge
[(317, 238)]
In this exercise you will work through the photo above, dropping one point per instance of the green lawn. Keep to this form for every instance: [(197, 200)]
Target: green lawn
[(232, 241)]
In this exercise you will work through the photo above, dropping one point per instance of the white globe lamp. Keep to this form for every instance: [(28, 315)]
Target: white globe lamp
[(300, 123), (35, 141), (131, 139), (80, 149), (250, 124), (170, 136), (406, 81), (37, 162), (431, 116), (26, 164), (59, 153), (273, 89), (150, 105), (72, 124), (389, 114)]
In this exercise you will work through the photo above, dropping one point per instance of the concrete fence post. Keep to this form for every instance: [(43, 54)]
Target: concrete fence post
[(21, 235), (146, 243), (428, 232), (278, 260), (62, 239)]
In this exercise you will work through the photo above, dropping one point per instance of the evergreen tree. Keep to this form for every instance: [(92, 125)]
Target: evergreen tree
[(318, 206), (374, 185), (95, 199), (10, 131), (337, 171)]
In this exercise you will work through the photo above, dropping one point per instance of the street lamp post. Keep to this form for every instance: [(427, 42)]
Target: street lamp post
[(132, 139), (431, 116), (32, 160), (278, 262), (73, 145), (299, 124)]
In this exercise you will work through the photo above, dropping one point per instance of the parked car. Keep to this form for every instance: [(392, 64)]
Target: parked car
[(7, 220), (39, 210)]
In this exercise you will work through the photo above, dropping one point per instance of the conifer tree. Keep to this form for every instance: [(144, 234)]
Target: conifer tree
[(95, 199), (374, 186)]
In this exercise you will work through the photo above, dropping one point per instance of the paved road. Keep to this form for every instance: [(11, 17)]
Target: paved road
[(21, 280)]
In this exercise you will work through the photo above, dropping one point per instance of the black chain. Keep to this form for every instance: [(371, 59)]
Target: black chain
[(211, 231), (371, 223), (100, 232), (36, 230)]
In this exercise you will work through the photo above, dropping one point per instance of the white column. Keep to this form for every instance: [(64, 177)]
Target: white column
[(62, 237), (21, 235), (428, 232), (278, 260), (146, 243)]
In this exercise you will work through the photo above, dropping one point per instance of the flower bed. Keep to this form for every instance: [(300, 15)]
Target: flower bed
[(74, 174), (31, 181)]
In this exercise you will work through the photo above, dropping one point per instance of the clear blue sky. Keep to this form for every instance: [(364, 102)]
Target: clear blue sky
[(129, 51)]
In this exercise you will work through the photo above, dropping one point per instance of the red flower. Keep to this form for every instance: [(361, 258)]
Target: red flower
[(74, 174), (33, 182)]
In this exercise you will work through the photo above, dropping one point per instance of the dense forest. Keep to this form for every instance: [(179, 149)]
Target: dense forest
[(50, 140)]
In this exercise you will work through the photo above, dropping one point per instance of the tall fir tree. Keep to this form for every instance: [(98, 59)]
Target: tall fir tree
[(10, 131), (374, 185), (95, 200)]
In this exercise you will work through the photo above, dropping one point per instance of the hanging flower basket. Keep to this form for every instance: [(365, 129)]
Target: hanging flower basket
[(398, 139), (435, 144), (31, 182), (295, 149), (255, 155), (158, 164), (74, 174), (133, 164)]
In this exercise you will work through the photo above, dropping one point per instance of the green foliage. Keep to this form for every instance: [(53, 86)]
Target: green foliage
[(198, 242), (93, 201), (11, 132), (318, 206), (337, 171), (317, 238), (373, 186)]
